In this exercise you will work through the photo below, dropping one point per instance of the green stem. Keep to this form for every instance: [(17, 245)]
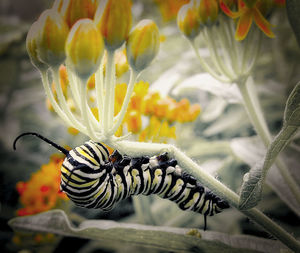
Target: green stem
[(206, 67), (100, 92), (138, 148), (107, 117), (225, 62), (84, 110), (120, 116), (63, 103), (256, 117), (53, 102)]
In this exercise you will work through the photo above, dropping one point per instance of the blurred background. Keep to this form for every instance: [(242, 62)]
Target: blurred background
[(221, 139)]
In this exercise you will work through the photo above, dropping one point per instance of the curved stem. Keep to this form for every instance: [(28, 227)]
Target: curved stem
[(206, 67), (74, 87), (256, 116), (137, 149), (227, 38), (120, 116), (212, 52), (53, 102), (84, 110), (63, 102), (225, 48)]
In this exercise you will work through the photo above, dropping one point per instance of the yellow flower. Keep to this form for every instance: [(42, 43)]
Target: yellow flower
[(208, 11), (134, 121), (84, 48), (143, 44), (113, 18), (31, 46), (188, 21), (73, 10), (52, 33)]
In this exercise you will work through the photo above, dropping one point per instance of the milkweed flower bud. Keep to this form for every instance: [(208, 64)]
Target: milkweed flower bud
[(84, 48), (52, 35), (208, 11), (113, 19), (188, 21), (31, 47), (73, 10), (143, 44)]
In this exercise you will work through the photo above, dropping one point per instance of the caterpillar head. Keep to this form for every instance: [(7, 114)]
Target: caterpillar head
[(82, 166)]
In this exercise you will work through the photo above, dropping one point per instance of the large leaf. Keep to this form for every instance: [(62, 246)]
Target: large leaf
[(206, 82), (164, 238), (252, 186), (251, 150)]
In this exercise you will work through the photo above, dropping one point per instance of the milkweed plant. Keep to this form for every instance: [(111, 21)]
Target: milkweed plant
[(191, 79)]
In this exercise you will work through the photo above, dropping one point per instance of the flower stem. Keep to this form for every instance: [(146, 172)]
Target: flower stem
[(53, 102), (206, 67), (120, 116), (139, 148), (63, 102), (109, 87), (100, 92), (256, 116), (84, 110)]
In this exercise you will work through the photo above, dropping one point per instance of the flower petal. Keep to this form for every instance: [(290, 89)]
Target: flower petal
[(244, 25), (227, 10), (262, 23)]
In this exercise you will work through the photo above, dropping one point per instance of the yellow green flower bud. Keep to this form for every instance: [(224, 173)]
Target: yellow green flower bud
[(32, 47), (188, 21), (208, 11), (143, 44), (52, 35), (73, 10), (113, 19), (84, 48)]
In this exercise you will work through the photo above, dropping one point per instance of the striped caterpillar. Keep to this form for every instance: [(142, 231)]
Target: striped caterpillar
[(92, 178)]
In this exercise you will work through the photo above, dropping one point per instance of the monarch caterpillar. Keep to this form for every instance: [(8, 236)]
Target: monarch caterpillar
[(94, 179)]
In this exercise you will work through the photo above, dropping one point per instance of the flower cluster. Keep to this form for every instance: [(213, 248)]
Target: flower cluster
[(158, 113), (41, 192), (79, 39), (199, 13), (161, 113)]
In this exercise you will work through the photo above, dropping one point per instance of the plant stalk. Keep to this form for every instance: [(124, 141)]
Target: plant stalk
[(258, 121)]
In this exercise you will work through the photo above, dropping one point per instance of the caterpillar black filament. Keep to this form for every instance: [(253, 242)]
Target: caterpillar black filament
[(94, 179)]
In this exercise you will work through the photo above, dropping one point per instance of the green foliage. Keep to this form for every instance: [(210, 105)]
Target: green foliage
[(251, 192), (162, 238)]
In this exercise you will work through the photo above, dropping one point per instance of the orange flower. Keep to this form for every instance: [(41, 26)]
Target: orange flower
[(247, 12), (41, 192)]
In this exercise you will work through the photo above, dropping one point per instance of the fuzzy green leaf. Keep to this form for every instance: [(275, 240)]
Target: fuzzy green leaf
[(163, 238), (292, 109), (251, 188), (293, 11)]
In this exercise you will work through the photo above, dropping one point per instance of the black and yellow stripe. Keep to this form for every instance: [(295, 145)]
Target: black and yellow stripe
[(93, 179)]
